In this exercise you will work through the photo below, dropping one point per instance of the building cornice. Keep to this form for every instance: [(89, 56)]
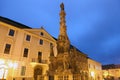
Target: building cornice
[(14, 23)]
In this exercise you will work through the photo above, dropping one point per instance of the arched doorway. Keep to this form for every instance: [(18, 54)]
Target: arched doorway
[(37, 71)]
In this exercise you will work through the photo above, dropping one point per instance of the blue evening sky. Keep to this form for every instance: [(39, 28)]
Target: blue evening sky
[(93, 26)]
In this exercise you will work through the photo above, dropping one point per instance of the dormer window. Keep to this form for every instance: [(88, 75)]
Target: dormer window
[(41, 33)]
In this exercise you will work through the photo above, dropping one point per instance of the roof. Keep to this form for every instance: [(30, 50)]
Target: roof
[(111, 66), (71, 46), (16, 24)]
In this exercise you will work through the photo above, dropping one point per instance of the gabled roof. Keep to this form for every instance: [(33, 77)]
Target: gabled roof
[(13, 23)]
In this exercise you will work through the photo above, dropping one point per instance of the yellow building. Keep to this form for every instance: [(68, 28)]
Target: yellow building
[(95, 70), (22, 48), (111, 72)]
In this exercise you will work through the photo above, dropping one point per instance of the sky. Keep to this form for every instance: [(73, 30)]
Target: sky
[(93, 26)]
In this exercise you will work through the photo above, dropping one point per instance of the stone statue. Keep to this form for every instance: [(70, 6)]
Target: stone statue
[(62, 6), (66, 62)]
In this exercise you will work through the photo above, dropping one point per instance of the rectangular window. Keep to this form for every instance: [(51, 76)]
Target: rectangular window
[(11, 32), (7, 48), (39, 57), (25, 52), (41, 42), (23, 69), (28, 37)]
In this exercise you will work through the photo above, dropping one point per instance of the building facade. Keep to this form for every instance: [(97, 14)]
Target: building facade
[(95, 70), (33, 54), (111, 72), (23, 49)]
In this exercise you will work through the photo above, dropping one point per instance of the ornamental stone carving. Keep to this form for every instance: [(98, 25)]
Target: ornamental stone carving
[(69, 60)]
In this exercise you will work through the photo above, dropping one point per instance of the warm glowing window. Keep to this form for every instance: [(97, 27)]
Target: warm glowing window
[(23, 69), (7, 48), (25, 52), (11, 32), (28, 37)]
